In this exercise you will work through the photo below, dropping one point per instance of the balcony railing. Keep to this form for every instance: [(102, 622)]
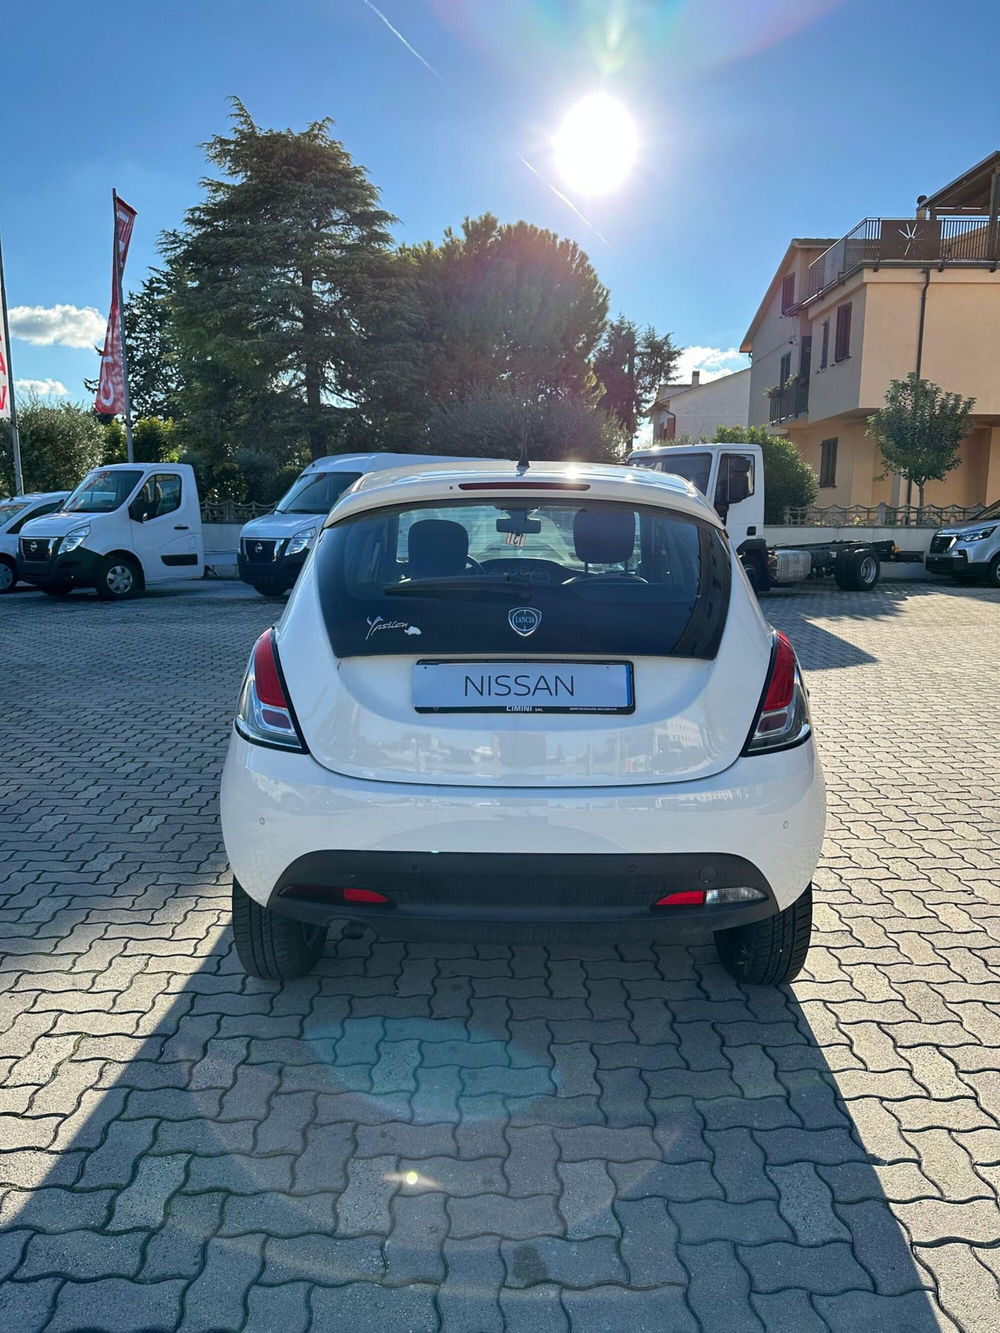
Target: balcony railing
[(916, 241), (231, 511), (791, 401)]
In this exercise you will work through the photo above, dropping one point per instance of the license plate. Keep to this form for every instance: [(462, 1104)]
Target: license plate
[(523, 687)]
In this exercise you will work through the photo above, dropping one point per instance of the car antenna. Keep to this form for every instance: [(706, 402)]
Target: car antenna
[(523, 462)]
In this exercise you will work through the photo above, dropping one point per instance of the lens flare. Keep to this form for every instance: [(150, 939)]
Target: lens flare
[(596, 145)]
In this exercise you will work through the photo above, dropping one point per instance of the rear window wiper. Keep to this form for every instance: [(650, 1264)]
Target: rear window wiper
[(461, 583)]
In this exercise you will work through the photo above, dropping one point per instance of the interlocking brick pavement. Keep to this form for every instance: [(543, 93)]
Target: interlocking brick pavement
[(449, 1137)]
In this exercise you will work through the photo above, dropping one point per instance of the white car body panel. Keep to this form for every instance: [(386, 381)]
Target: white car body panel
[(35, 503), (276, 807)]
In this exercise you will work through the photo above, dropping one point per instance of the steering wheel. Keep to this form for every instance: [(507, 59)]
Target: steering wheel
[(609, 576), (474, 565)]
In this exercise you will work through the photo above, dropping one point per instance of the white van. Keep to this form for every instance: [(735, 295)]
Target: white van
[(273, 548), (125, 526), (14, 513)]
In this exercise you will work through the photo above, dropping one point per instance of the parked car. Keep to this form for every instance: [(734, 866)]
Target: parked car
[(124, 527), (273, 548), (14, 513), (969, 552), (538, 702)]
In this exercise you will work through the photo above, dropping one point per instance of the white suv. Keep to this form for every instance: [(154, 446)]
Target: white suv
[(533, 703)]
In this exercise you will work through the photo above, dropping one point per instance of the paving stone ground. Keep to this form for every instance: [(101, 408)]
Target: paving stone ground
[(491, 1139)]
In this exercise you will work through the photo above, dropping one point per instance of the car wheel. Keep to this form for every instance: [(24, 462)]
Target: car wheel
[(992, 578), (769, 952), (8, 575), (118, 579), (58, 589), (267, 590), (271, 946), (856, 571)]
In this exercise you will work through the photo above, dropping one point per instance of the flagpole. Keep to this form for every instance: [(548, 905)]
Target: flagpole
[(14, 436), (121, 331)]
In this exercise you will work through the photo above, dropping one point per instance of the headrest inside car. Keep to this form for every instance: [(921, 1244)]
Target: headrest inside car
[(436, 548), (604, 536)]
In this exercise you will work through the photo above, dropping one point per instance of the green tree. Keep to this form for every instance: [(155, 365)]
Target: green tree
[(631, 363), (153, 441), (274, 278), (920, 430), (498, 305), (789, 481), (493, 423), (58, 446)]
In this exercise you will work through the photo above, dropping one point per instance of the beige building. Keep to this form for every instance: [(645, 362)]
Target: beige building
[(695, 411), (842, 318)]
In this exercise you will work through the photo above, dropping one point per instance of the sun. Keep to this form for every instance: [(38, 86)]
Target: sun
[(596, 145)]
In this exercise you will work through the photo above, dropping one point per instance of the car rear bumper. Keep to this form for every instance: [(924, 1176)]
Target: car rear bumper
[(593, 858)]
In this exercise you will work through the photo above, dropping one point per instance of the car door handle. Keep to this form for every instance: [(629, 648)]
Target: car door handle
[(180, 527)]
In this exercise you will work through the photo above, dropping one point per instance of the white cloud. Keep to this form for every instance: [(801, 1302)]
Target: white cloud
[(713, 362), (68, 325), (42, 388)]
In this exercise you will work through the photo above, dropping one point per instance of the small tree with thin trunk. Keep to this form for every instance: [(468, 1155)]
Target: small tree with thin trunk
[(920, 430)]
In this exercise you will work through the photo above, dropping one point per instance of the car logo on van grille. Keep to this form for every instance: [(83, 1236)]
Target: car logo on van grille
[(524, 620)]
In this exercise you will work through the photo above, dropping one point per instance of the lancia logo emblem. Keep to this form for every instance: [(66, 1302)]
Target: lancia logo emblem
[(524, 620)]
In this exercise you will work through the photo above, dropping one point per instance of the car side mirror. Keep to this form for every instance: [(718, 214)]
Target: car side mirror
[(137, 511)]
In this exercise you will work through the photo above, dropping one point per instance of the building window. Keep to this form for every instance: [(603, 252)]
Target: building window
[(828, 463), (805, 355), (785, 371), (842, 339), (787, 293), (824, 351)]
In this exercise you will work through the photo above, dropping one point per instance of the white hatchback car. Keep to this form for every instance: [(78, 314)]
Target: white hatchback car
[(524, 703)]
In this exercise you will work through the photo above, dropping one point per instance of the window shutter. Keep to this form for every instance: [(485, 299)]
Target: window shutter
[(842, 341)]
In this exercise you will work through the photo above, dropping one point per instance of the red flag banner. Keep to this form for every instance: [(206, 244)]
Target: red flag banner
[(111, 387)]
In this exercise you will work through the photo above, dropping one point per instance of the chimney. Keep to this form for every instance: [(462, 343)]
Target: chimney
[(695, 378)]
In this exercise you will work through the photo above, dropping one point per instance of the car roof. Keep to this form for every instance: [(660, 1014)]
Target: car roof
[(370, 462), (34, 497), (489, 477)]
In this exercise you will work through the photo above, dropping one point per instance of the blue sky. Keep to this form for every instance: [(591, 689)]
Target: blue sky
[(759, 120)]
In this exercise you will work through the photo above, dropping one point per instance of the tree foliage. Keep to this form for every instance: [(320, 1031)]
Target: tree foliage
[(59, 445), (275, 277), (154, 379), (789, 481), (920, 430), (494, 422), (500, 304), (154, 440), (630, 364)]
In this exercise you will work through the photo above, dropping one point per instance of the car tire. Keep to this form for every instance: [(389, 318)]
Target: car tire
[(992, 575), (8, 575), (769, 952), (271, 946), (266, 590), (58, 590), (118, 579), (856, 571)]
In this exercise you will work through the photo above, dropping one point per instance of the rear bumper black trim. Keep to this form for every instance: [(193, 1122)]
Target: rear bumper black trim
[(523, 895)]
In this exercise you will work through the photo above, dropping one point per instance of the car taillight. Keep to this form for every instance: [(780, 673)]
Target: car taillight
[(264, 713), (783, 714)]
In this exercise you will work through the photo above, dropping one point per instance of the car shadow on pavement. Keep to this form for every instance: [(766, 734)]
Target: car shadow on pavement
[(439, 1137)]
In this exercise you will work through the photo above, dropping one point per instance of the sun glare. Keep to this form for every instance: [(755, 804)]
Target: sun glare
[(596, 145)]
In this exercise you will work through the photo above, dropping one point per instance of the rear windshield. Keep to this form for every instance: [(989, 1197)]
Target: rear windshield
[(549, 577), (316, 493)]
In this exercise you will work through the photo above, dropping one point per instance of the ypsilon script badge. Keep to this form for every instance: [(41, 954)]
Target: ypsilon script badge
[(524, 620)]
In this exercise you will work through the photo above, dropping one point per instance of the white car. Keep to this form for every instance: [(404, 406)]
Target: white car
[(14, 513), (524, 703)]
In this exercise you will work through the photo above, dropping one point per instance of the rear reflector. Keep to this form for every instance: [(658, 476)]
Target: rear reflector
[(363, 896), (685, 898)]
